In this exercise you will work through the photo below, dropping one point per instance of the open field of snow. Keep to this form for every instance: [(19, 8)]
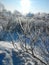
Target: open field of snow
[(6, 44)]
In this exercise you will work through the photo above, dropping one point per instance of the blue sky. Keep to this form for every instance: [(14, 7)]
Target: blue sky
[(35, 5)]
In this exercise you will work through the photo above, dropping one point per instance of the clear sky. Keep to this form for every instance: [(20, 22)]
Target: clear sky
[(25, 6)]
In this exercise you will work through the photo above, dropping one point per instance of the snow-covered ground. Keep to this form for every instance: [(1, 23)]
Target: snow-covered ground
[(10, 55), (6, 44)]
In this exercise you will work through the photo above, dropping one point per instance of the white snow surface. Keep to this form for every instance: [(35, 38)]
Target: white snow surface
[(6, 44)]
